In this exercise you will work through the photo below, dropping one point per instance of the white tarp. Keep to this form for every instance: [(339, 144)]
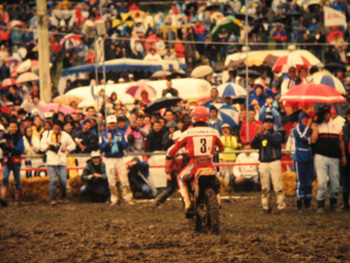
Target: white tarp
[(334, 18)]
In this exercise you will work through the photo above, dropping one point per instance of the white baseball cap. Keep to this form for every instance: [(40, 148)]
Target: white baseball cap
[(95, 154), (111, 118)]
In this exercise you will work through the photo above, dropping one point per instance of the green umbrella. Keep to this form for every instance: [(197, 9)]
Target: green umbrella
[(229, 24)]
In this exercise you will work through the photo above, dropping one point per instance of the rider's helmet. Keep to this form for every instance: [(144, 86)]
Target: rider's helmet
[(200, 114)]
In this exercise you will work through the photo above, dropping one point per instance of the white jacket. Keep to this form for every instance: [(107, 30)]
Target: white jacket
[(59, 158), (31, 149), (246, 171)]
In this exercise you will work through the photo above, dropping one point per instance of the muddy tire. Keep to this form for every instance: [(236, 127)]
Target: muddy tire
[(207, 213)]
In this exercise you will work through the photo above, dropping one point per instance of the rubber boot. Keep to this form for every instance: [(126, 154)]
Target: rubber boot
[(300, 205), (333, 205), (3, 201), (18, 201), (345, 201), (320, 207), (307, 204), (186, 198)]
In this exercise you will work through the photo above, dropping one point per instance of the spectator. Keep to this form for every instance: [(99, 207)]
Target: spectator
[(269, 142), (253, 126), (303, 161), (211, 52), (328, 148), (214, 96), (85, 140), (138, 173), (260, 94), (170, 55), (214, 122), (230, 144), (113, 144), (180, 51), (169, 89), (57, 144), (12, 147), (279, 36), (245, 175), (200, 33), (13, 96), (168, 140), (155, 137), (4, 70), (95, 177), (152, 56), (33, 103), (31, 147)]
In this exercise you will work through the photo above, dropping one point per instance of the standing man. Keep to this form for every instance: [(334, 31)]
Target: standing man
[(328, 148), (169, 89), (57, 144), (268, 141), (112, 142)]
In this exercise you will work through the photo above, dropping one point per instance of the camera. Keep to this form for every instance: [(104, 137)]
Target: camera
[(55, 147)]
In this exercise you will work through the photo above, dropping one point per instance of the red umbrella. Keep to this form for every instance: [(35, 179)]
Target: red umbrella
[(312, 92), (53, 106), (15, 23), (136, 89), (334, 35), (292, 60), (7, 83)]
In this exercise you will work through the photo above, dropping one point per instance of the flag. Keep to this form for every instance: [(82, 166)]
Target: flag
[(333, 17)]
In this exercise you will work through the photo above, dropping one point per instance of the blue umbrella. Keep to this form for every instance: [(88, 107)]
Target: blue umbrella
[(232, 90), (226, 113)]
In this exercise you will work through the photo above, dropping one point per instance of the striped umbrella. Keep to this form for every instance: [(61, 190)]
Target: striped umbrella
[(324, 77), (137, 88), (15, 23), (69, 41), (232, 90), (7, 83), (28, 65), (291, 60), (226, 113)]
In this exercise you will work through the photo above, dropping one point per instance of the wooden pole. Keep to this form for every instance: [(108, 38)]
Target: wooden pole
[(44, 54)]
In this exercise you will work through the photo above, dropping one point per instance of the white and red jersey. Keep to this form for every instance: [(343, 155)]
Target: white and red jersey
[(198, 142)]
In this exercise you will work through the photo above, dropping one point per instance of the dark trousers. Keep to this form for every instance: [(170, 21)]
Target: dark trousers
[(170, 188), (304, 179)]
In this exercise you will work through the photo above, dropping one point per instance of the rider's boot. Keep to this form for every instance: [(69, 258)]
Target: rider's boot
[(186, 198)]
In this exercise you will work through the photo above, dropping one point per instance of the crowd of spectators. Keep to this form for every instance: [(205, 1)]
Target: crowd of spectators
[(136, 131)]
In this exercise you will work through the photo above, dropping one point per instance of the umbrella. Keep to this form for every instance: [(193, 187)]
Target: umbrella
[(70, 40), (251, 73), (67, 99), (334, 66), (212, 7), (324, 77), (216, 16), (334, 35), (13, 59), (226, 114), (27, 77), (241, 16), (178, 73), (54, 106), (259, 59), (7, 83), (228, 23), (136, 89), (291, 60), (201, 71), (311, 92), (27, 65), (161, 74), (161, 103), (232, 90), (15, 23)]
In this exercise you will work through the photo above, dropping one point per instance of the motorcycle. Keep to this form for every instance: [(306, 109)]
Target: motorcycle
[(205, 204)]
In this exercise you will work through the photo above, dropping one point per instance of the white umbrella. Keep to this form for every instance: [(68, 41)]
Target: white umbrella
[(27, 77), (201, 71), (161, 74)]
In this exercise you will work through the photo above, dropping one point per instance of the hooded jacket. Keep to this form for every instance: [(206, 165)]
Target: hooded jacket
[(302, 135)]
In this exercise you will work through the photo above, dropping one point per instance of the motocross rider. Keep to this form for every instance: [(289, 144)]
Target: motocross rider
[(199, 143)]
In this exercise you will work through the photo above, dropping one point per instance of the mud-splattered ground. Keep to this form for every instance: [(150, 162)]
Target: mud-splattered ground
[(83, 232)]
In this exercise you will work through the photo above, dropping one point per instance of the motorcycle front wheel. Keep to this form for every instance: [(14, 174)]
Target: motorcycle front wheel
[(207, 212)]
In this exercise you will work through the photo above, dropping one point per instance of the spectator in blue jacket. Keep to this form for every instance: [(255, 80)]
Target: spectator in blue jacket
[(12, 146), (112, 142), (268, 108), (303, 161), (138, 173), (260, 95)]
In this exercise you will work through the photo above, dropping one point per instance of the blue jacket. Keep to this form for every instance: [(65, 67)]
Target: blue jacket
[(302, 135), (269, 145), (18, 148), (262, 98), (117, 146)]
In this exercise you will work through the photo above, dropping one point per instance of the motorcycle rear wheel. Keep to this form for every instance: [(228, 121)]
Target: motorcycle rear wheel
[(207, 212)]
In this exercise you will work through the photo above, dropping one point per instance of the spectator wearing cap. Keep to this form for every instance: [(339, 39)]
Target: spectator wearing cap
[(173, 165), (155, 137), (269, 143), (329, 149), (57, 144), (245, 175), (95, 177), (303, 161), (138, 173), (85, 140), (167, 140), (112, 142), (31, 147), (169, 89), (12, 147), (230, 143)]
